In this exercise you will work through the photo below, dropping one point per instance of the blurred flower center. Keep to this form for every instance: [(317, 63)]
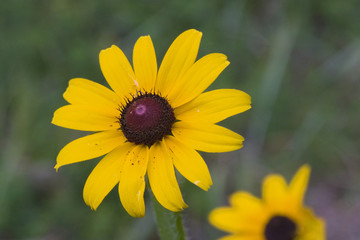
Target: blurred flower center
[(280, 228), (146, 119)]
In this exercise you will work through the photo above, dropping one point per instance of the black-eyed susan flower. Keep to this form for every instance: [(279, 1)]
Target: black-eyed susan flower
[(280, 215), (151, 121)]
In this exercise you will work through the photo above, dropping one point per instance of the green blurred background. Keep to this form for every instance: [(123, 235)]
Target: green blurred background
[(299, 60)]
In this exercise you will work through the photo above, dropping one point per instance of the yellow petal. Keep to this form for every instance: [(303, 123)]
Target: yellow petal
[(145, 65), (312, 227), (245, 202), (83, 91), (85, 118), (162, 179), (232, 220), (250, 207), (207, 137), (231, 237), (118, 71), (299, 184), (255, 236), (88, 147), (132, 181), (275, 193), (189, 163), (225, 218), (214, 106), (246, 216), (197, 78), (178, 59), (105, 176)]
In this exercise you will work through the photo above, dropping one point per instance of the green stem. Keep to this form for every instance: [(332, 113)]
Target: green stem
[(169, 223)]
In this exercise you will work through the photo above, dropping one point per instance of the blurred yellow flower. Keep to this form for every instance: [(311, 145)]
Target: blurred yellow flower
[(280, 215), (152, 121)]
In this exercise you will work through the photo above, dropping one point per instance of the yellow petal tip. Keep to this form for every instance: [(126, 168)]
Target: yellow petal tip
[(57, 166), (306, 167), (203, 186), (303, 173), (137, 215), (103, 51), (194, 30)]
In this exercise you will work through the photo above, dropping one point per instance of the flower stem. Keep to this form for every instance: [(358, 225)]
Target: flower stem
[(169, 223)]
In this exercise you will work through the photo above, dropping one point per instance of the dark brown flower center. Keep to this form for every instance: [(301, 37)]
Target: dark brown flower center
[(146, 119), (280, 228)]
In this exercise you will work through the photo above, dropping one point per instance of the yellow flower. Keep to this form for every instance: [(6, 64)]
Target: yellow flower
[(280, 215), (152, 121)]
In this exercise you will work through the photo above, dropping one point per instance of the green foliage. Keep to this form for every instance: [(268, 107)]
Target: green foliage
[(170, 225)]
